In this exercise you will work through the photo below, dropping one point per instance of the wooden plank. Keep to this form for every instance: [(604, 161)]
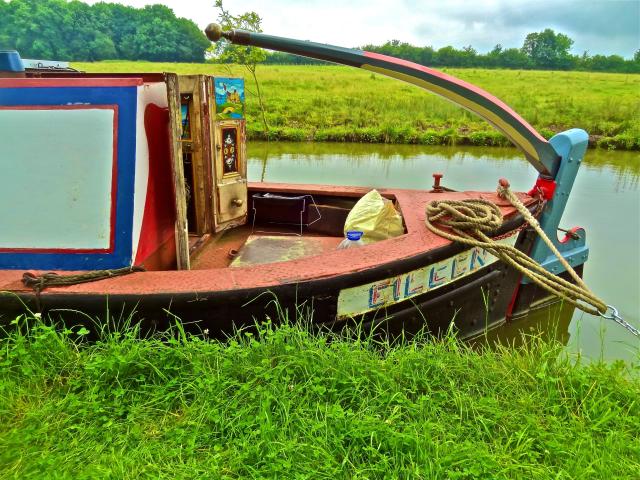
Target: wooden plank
[(175, 134), (207, 150), (213, 142), (243, 148), (202, 159)]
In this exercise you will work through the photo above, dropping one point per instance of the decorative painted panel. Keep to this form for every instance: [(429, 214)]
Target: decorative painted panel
[(390, 291), (185, 116), (229, 150), (229, 93)]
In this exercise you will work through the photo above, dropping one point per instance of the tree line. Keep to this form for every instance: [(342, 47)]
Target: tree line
[(546, 50), (61, 30)]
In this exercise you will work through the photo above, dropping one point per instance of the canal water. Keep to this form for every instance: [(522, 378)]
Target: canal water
[(605, 201)]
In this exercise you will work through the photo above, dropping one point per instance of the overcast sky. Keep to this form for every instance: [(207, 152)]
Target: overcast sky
[(598, 26)]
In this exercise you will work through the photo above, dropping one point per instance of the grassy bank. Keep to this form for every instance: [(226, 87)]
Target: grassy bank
[(344, 104), (286, 404)]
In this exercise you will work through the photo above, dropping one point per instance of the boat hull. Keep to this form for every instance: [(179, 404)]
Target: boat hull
[(474, 303)]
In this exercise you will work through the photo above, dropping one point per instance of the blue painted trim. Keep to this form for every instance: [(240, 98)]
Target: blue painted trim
[(126, 99), (571, 147), (10, 61), (574, 256)]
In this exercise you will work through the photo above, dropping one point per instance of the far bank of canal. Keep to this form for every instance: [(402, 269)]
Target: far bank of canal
[(605, 201)]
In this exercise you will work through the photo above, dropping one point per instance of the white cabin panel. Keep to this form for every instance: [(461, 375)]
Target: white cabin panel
[(56, 187)]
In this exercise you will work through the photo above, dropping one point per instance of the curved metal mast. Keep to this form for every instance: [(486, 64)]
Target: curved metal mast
[(536, 149)]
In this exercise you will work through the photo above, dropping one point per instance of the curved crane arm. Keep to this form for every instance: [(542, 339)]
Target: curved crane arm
[(536, 149)]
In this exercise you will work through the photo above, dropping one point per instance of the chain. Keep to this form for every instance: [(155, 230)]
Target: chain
[(535, 213), (619, 320)]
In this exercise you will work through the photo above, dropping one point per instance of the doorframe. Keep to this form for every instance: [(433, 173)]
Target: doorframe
[(175, 136)]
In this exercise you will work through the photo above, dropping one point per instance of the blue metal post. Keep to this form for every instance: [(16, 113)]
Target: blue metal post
[(571, 147), (10, 62)]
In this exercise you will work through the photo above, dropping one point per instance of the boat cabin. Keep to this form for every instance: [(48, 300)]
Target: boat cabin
[(105, 171)]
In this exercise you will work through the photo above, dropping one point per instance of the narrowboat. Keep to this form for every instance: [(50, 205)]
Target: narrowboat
[(126, 195)]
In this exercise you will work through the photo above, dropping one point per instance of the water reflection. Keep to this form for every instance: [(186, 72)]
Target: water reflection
[(605, 201), (411, 166), (547, 323)]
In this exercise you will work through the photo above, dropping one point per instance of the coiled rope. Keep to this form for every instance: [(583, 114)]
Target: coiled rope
[(471, 221)]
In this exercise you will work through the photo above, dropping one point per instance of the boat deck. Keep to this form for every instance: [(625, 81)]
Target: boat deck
[(213, 269), (243, 247)]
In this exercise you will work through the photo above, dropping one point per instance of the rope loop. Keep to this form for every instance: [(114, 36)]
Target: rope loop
[(471, 221)]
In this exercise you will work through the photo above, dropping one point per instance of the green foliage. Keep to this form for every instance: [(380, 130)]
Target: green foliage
[(61, 30), (283, 403), (544, 50), (226, 52), (548, 50), (332, 103), (249, 57)]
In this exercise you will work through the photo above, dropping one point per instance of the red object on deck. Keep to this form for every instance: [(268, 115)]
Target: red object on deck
[(545, 187), (571, 233), (436, 182)]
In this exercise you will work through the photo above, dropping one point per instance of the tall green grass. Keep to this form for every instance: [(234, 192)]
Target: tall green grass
[(285, 403), (334, 103)]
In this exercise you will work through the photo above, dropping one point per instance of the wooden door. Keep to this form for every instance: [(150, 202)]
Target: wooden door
[(196, 153), (230, 172)]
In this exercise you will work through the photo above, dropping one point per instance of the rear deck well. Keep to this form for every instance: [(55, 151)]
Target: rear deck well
[(281, 226)]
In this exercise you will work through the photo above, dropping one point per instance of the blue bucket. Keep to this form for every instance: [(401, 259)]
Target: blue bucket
[(10, 61)]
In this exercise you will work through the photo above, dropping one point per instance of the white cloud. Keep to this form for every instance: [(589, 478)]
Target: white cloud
[(600, 26)]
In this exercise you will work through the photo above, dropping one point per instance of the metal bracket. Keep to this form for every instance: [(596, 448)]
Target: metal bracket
[(571, 147)]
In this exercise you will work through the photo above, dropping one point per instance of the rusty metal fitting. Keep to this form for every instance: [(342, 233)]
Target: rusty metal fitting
[(437, 188)]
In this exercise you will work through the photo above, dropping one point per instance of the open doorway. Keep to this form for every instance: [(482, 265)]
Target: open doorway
[(210, 174)]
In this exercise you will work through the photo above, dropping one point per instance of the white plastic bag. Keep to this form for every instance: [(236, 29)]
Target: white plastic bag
[(376, 217)]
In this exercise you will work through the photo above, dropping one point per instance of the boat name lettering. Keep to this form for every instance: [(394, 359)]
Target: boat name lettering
[(372, 296)]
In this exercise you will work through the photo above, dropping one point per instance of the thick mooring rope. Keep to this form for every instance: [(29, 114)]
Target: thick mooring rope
[(471, 220), (52, 279)]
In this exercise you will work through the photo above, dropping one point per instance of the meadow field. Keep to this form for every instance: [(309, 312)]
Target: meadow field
[(284, 403), (336, 103)]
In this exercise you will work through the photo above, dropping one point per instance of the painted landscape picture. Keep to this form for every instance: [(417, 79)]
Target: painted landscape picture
[(229, 94)]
